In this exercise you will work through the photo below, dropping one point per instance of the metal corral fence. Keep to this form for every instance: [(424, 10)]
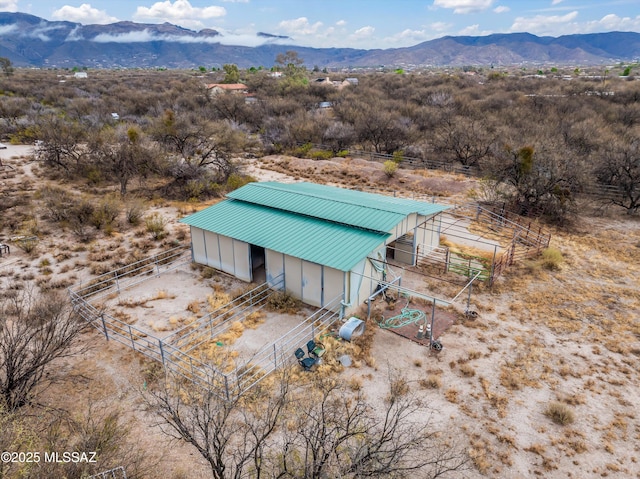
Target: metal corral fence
[(132, 274), (523, 239), (178, 351)]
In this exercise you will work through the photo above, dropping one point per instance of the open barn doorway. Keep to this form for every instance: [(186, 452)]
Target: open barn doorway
[(258, 270)]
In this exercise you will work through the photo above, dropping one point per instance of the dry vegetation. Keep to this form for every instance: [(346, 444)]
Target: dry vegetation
[(543, 383)]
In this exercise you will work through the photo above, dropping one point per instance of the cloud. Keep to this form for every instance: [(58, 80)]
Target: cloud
[(501, 9), (613, 22), (363, 32), (543, 23), (341, 23), (300, 26), (9, 5), (180, 12), (556, 2), (474, 31), (85, 13), (236, 1), (5, 29), (145, 36), (440, 26), (409, 37), (464, 6)]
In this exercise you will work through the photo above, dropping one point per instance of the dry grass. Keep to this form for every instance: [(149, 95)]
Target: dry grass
[(560, 413), (432, 381), (467, 370)]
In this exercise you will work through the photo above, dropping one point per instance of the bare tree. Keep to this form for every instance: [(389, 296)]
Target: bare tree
[(61, 142), (464, 139), (122, 153), (233, 435), (340, 434), (35, 330), (540, 181), (620, 167), (314, 431)]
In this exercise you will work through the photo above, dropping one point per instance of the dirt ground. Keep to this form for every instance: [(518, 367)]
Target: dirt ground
[(543, 336)]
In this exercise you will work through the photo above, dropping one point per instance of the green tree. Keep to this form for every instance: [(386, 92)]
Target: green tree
[(6, 66), (292, 65), (231, 73)]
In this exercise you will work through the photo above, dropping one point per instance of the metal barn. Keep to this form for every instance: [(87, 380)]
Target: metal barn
[(324, 242)]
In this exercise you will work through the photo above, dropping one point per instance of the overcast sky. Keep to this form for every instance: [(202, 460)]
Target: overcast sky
[(351, 23)]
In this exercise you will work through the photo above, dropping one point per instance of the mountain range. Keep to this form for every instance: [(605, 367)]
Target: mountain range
[(30, 41)]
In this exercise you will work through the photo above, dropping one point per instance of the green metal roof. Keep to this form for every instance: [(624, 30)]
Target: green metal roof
[(319, 241), (348, 207)]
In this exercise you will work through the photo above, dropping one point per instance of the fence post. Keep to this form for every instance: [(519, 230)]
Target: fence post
[(226, 386), (161, 351), (104, 326), (117, 282), (133, 344), (275, 356), (157, 266)]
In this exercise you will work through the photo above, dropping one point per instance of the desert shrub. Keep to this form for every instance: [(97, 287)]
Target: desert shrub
[(155, 224), (105, 213), (236, 181), (552, 259), (467, 370), (342, 153), (398, 155), (559, 413), (134, 211), (432, 381), (302, 151), (321, 155), (283, 302), (390, 168)]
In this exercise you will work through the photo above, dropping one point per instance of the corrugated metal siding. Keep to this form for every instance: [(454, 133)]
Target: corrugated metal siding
[(355, 208), (335, 245)]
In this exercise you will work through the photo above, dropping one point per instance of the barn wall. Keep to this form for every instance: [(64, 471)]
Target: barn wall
[(213, 249), (371, 277), (333, 283), (198, 249), (293, 275), (312, 283), (428, 234), (274, 265), (242, 260), (226, 254)]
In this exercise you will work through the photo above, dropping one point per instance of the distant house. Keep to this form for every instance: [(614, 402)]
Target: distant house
[(80, 75), (275, 74), (352, 81), (217, 88)]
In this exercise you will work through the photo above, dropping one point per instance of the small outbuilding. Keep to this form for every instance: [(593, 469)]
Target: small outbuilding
[(322, 242)]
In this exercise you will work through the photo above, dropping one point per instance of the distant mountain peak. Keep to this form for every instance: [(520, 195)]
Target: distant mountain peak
[(28, 40)]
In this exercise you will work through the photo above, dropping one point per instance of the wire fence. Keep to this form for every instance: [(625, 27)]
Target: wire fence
[(594, 189), (179, 352)]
